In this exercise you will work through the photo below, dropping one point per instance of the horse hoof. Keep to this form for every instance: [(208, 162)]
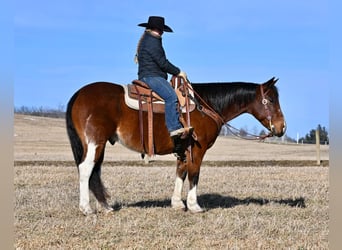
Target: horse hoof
[(86, 211), (180, 208), (177, 205), (196, 209)]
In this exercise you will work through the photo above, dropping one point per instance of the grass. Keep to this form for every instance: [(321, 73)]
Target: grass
[(257, 196), (247, 208)]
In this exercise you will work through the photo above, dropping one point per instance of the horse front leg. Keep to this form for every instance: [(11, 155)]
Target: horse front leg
[(193, 169), (191, 201), (176, 200)]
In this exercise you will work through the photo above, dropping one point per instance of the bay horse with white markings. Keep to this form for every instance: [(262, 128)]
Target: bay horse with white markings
[(97, 113)]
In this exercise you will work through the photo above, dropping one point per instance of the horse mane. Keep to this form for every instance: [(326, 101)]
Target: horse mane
[(222, 94)]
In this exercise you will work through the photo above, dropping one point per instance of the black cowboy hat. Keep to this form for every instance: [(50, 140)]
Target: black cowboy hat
[(156, 22)]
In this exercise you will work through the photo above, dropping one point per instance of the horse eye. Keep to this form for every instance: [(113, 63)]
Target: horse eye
[(270, 99)]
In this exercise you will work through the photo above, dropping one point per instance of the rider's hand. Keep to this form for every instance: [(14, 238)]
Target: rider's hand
[(183, 74)]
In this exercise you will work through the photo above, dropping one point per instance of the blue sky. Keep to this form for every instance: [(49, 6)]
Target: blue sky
[(60, 46)]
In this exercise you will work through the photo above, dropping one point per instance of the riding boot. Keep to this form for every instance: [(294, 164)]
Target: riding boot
[(183, 132), (178, 148), (179, 138)]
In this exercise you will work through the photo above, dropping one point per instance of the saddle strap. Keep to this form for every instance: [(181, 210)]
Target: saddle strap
[(181, 86), (141, 122), (217, 118), (150, 126), (148, 100), (186, 90)]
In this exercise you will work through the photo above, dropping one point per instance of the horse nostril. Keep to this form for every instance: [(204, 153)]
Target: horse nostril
[(284, 127), (272, 128)]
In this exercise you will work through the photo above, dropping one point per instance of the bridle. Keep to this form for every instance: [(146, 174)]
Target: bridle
[(265, 102)]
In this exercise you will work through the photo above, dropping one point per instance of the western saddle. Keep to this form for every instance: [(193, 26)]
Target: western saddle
[(151, 102)]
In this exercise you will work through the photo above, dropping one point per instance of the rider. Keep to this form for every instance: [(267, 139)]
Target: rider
[(153, 70)]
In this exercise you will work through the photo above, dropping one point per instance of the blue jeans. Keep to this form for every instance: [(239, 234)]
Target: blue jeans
[(164, 89)]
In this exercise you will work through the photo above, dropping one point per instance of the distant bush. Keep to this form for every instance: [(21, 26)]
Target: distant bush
[(41, 111), (311, 136)]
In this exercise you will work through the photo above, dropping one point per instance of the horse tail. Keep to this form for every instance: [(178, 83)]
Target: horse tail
[(75, 141), (95, 183)]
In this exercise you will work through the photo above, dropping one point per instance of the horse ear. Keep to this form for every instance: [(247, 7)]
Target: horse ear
[(270, 82), (275, 80)]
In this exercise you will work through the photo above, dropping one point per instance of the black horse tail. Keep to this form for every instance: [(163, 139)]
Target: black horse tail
[(75, 141)]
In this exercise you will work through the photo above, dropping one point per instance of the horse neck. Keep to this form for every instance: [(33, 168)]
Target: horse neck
[(229, 100)]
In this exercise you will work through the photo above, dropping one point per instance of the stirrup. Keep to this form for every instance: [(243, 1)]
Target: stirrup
[(182, 131), (187, 132)]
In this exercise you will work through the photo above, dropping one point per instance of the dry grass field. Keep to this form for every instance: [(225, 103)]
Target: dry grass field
[(257, 195)]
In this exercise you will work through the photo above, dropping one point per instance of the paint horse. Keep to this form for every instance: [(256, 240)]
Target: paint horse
[(97, 113)]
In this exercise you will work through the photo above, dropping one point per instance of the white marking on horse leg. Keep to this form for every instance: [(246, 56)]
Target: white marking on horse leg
[(176, 200), (147, 159), (85, 170), (191, 201)]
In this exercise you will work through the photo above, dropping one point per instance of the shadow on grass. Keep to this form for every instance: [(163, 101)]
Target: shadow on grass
[(212, 201), (143, 204)]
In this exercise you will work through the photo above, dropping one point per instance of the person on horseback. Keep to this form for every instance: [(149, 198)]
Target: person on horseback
[(153, 69)]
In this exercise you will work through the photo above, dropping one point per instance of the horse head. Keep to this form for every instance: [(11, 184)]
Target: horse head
[(267, 108)]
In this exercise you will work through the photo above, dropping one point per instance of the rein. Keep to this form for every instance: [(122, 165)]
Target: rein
[(247, 135), (206, 109)]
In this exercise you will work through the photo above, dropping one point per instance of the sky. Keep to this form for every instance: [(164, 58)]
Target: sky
[(60, 46)]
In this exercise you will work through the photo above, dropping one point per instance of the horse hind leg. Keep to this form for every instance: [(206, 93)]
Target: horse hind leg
[(89, 178), (97, 187), (85, 168)]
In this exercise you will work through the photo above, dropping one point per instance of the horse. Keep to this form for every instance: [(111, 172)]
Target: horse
[(97, 113)]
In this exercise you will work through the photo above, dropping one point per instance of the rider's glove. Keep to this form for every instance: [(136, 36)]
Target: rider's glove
[(183, 74)]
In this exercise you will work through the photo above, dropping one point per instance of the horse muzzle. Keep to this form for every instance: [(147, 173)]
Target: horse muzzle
[(278, 129)]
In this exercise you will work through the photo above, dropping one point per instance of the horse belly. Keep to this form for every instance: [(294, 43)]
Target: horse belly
[(129, 134)]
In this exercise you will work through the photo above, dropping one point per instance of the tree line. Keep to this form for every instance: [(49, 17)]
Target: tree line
[(41, 111), (311, 136)]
